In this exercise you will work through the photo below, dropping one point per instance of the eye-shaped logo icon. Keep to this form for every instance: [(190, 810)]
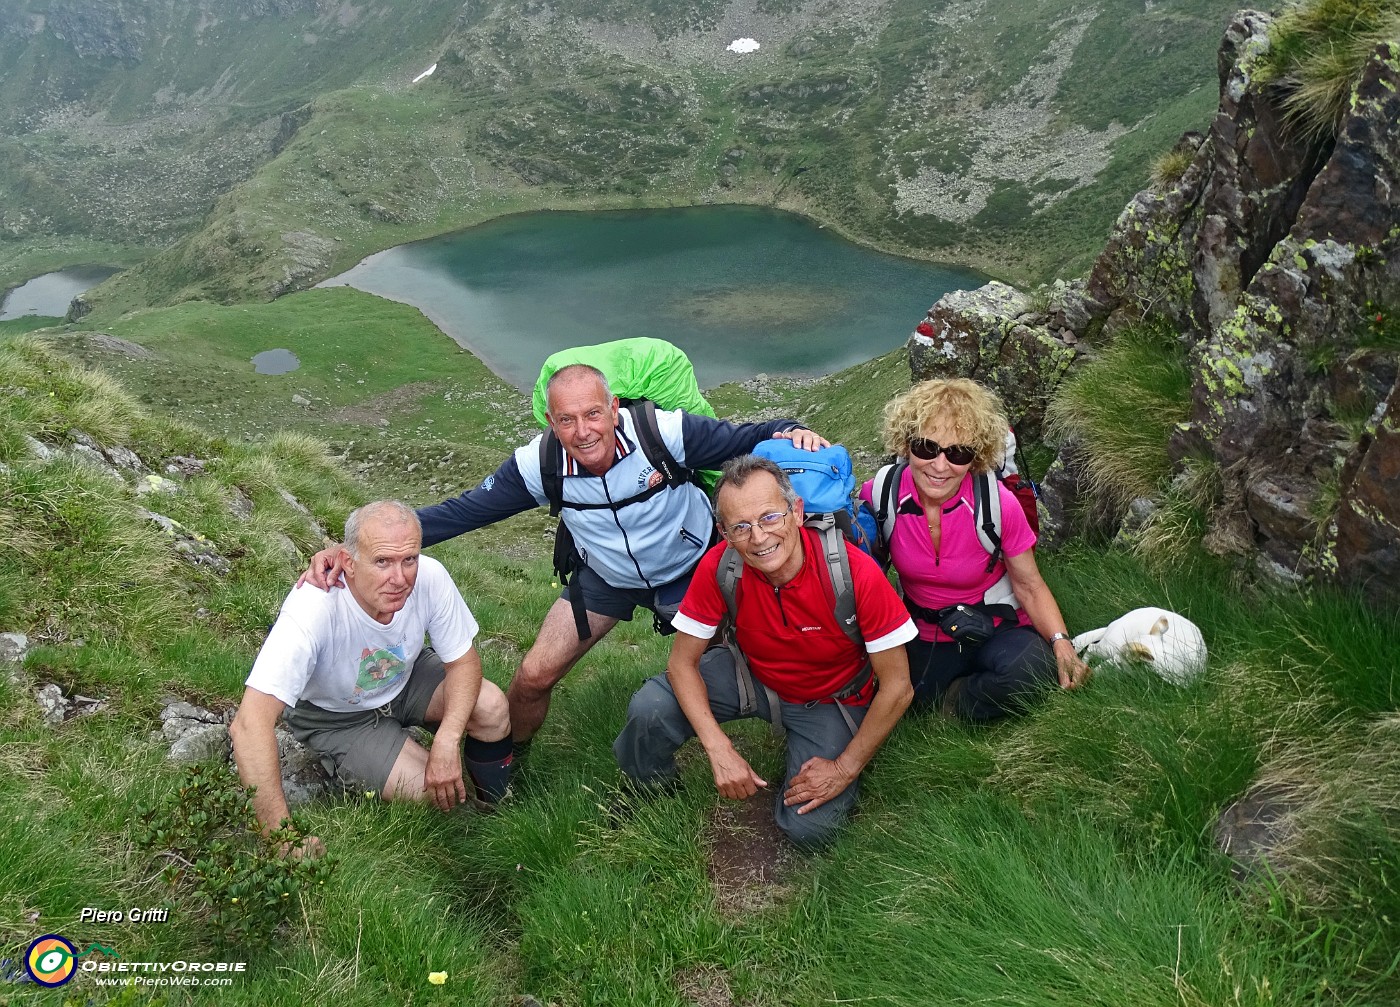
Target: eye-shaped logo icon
[(51, 960)]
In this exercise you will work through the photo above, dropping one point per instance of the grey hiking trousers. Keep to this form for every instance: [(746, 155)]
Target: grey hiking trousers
[(657, 727)]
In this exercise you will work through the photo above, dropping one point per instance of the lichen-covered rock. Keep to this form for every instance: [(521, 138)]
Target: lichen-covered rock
[(53, 705), (1367, 527), (1071, 310), (1260, 173), (1290, 361), (316, 529), (153, 483), (1276, 255), (1145, 268), (195, 734), (201, 743), (239, 505), (304, 774), (182, 465), (983, 334), (1059, 498), (199, 735), (38, 448), (13, 647), (192, 546), (117, 458)]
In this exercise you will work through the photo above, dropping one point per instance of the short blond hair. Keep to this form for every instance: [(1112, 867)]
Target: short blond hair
[(972, 411)]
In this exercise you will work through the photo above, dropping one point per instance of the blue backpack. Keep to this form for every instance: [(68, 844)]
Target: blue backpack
[(825, 482)]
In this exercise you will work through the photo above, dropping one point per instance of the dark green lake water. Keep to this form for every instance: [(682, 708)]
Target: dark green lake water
[(742, 290)]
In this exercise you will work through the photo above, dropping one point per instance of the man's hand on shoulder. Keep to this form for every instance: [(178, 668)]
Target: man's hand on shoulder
[(324, 571), (804, 439)]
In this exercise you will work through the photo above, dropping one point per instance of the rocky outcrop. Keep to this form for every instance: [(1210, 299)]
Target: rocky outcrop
[(995, 335), (288, 125), (195, 734), (124, 466), (1275, 256)]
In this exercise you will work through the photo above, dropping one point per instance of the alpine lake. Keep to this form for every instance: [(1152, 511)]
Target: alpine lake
[(742, 290)]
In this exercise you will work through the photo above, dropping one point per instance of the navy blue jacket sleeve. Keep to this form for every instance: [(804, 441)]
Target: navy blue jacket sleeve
[(709, 443), (500, 495)]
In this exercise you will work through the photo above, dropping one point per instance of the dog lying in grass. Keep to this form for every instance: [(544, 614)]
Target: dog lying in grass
[(1172, 644)]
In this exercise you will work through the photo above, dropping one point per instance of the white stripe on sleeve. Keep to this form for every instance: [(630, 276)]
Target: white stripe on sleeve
[(899, 636), (686, 624)]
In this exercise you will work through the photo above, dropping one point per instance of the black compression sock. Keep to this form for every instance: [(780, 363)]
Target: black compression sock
[(488, 763)]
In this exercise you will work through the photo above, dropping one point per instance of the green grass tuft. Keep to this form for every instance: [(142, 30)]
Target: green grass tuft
[(1318, 49), (1119, 409), (1170, 166)]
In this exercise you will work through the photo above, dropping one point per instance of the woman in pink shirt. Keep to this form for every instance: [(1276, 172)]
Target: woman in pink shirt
[(951, 430)]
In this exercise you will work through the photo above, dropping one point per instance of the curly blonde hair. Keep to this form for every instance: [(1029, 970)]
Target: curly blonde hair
[(971, 410)]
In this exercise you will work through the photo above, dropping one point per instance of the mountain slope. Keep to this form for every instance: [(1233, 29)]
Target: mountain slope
[(985, 132)]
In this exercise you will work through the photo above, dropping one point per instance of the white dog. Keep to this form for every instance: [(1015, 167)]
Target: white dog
[(1172, 644)]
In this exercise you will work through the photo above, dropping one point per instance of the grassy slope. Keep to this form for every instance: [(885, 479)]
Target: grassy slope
[(1065, 858)]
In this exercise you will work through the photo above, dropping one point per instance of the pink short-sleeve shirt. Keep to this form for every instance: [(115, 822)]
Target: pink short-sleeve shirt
[(957, 573)]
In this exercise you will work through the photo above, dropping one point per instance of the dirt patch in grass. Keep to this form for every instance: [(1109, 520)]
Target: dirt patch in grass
[(402, 399), (704, 986), (1256, 831), (748, 859)]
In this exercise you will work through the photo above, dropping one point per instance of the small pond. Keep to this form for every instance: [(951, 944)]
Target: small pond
[(275, 361)]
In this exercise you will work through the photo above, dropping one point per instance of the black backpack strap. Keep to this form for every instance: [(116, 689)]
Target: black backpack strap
[(567, 563), (838, 567), (643, 412), (551, 478), (843, 598)]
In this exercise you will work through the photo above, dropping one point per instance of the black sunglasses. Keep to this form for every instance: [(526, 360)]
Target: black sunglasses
[(957, 454)]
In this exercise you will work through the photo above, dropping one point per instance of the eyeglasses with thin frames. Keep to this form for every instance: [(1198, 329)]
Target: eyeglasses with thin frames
[(741, 531)]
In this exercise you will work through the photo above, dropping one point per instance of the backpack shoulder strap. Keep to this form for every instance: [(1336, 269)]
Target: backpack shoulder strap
[(885, 494), (731, 568), (986, 501), (648, 430), (551, 453), (838, 568)]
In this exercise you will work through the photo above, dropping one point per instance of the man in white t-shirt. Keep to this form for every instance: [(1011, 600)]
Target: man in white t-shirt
[(350, 670)]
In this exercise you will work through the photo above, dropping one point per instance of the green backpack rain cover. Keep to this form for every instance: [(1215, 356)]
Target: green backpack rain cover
[(637, 368)]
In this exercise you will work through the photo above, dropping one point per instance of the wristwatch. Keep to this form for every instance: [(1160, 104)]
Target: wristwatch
[(1057, 637)]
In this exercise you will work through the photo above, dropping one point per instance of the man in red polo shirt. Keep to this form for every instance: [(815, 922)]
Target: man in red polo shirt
[(837, 701)]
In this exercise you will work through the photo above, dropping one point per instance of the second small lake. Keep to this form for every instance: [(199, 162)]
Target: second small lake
[(742, 290)]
